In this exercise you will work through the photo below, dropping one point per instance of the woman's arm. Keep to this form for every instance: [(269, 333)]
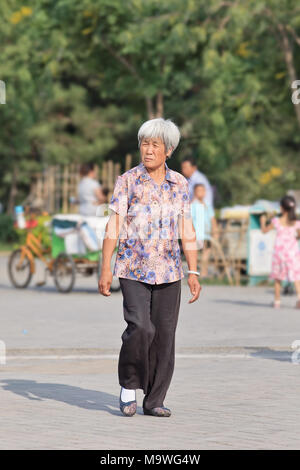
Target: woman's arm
[(112, 232), (189, 245), (265, 228)]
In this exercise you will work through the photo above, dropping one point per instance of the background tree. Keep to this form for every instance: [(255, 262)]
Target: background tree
[(81, 76)]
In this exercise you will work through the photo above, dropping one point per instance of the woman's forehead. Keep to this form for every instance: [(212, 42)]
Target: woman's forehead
[(152, 139)]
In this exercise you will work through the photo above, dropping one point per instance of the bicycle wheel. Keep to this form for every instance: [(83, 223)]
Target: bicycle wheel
[(64, 272), (19, 273), (115, 285)]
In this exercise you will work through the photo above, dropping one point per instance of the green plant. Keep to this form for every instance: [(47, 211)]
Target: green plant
[(7, 230), (43, 230)]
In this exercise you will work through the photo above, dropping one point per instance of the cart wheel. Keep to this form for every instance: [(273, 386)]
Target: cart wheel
[(19, 274), (115, 285), (64, 272)]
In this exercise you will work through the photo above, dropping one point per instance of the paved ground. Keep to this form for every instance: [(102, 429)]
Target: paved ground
[(235, 385)]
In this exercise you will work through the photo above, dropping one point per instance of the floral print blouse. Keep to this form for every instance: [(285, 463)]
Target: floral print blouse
[(148, 249)]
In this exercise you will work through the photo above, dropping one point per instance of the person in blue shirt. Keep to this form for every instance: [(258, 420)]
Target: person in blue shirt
[(194, 176), (207, 228)]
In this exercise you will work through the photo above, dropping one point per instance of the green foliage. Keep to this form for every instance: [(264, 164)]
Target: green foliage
[(82, 75), (7, 231)]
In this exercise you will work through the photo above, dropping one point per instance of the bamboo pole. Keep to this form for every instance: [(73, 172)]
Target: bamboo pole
[(117, 170), (57, 188), (77, 176), (45, 188), (52, 188), (128, 162), (104, 174), (65, 190)]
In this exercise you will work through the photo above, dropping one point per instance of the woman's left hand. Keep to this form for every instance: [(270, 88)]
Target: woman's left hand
[(195, 287)]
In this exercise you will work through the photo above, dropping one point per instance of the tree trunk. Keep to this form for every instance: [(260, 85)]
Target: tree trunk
[(149, 105), (159, 108), (159, 104)]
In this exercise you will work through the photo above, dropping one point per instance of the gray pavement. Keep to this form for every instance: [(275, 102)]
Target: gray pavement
[(234, 385)]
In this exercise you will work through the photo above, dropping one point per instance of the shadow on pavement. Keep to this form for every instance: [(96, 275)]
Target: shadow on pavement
[(273, 354), (74, 396), (241, 302)]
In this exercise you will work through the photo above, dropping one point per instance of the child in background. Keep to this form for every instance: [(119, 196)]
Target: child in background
[(286, 254), (210, 226)]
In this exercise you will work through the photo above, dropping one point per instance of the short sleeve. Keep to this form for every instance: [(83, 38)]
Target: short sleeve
[(297, 224), (119, 199)]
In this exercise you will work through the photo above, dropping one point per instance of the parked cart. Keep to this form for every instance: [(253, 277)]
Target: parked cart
[(76, 247)]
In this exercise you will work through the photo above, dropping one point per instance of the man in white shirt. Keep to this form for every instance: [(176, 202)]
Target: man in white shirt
[(194, 176)]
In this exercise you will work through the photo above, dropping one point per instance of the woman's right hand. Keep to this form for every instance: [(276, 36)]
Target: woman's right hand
[(104, 282)]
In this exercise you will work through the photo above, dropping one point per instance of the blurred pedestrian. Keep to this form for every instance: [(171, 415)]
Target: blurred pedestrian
[(194, 176), (286, 254), (89, 190), (210, 225)]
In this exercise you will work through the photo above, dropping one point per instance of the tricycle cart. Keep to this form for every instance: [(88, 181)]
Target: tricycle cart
[(69, 254)]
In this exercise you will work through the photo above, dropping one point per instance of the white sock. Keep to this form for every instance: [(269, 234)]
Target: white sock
[(127, 394)]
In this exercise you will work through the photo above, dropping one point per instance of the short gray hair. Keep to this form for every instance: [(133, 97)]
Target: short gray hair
[(160, 128)]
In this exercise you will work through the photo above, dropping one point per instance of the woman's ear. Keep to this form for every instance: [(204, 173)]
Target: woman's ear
[(169, 153)]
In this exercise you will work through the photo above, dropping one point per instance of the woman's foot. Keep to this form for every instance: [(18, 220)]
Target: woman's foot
[(276, 304), (158, 411), (298, 303), (128, 408)]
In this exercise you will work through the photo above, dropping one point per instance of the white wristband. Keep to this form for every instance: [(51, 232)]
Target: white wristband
[(194, 272)]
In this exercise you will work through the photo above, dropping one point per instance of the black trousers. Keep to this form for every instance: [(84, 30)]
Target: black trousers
[(147, 355)]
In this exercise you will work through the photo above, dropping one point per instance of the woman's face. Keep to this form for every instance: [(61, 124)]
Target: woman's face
[(153, 152)]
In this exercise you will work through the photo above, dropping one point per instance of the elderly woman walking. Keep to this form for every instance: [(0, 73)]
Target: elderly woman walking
[(151, 209)]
